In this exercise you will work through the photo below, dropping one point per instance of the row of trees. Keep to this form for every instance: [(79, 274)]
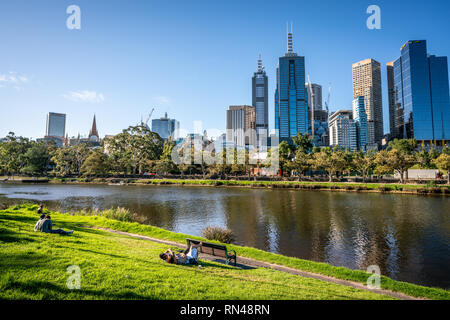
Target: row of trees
[(301, 157), (138, 151)]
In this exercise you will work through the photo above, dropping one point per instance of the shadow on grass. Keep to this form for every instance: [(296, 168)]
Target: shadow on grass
[(49, 291)]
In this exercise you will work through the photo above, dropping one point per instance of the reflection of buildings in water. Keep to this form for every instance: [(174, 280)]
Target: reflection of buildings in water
[(392, 260)]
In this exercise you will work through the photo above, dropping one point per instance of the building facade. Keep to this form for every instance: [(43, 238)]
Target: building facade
[(291, 99), (241, 125), (367, 83), (315, 103), (391, 98), (422, 103), (166, 127), (343, 130), (360, 118), (260, 99), (56, 125)]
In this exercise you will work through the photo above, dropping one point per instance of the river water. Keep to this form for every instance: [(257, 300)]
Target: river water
[(407, 236)]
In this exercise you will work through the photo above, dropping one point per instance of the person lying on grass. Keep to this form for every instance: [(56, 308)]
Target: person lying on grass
[(190, 256), (45, 225)]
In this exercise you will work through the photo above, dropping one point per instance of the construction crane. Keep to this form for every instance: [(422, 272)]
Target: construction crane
[(327, 103), (312, 106), (149, 117)]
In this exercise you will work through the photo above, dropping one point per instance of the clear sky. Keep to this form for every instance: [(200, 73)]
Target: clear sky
[(191, 59)]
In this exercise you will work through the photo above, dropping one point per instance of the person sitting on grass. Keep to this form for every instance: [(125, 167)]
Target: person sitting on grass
[(45, 225), (190, 256), (40, 210)]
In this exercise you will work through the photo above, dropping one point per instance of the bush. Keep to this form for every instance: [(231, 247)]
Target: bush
[(219, 234), (119, 213)]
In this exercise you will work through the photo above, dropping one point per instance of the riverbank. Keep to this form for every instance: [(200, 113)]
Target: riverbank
[(299, 185), (34, 266)]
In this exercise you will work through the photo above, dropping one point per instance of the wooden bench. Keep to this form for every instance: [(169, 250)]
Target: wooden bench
[(214, 249)]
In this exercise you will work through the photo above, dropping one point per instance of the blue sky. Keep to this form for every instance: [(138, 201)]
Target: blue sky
[(191, 59)]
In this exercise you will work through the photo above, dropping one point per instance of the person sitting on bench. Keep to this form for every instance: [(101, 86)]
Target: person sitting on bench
[(45, 225), (190, 256)]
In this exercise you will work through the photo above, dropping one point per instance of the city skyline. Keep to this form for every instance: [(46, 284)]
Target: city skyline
[(41, 88)]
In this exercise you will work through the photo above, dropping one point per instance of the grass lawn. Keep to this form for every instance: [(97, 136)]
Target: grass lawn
[(33, 266)]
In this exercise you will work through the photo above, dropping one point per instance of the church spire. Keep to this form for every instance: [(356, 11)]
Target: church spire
[(94, 133)]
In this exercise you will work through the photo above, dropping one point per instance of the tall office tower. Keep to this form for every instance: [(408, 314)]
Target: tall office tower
[(422, 104), (291, 100), (260, 98), (317, 91), (391, 98), (360, 118), (166, 127), (343, 130), (241, 125), (56, 125), (93, 134), (367, 83)]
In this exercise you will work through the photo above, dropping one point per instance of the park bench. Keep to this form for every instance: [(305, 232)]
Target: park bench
[(215, 249)]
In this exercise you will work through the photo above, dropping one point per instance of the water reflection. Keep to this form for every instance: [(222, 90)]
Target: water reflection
[(407, 236)]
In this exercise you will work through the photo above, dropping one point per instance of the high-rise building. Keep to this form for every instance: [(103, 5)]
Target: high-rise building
[(260, 98), (343, 130), (367, 84), (360, 118), (391, 98), (291, 100), (166, 127), (422, 103), (241, 125), (56, 125), (315, 103)]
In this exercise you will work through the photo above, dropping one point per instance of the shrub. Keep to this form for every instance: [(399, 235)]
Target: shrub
[(383, 188), (219, 234), (119, 213)]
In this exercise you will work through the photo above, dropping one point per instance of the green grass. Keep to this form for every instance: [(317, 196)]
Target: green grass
[(23, 217), (33, 266), (348, 186)]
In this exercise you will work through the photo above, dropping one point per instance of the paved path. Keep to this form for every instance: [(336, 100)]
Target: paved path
[(248, 263)]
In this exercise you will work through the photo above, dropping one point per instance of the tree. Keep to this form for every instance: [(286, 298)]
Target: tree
[(69, 160), (394, 160), (303, 142), (37, 159), (131, 149), (330, 160), (364, 163), (302, 162), (97, 164), (285, 152), (408, 146), (13, 152), (443, 163)]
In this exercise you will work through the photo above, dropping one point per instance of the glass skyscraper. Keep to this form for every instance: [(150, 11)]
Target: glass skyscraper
[(56, 125), (291, 99), (166, 127), (422, 102), (360, 118)]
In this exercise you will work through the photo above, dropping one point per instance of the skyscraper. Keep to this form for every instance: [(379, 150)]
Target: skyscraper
[(360, 118), (56, 125), (166, 127), (241, 125), (260, 98), (343, 130), (422, 103), (315, 103), (367, 83), (391, 98), (291, 101)]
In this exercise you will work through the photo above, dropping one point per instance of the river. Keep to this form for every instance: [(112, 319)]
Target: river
[(407, 236)]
